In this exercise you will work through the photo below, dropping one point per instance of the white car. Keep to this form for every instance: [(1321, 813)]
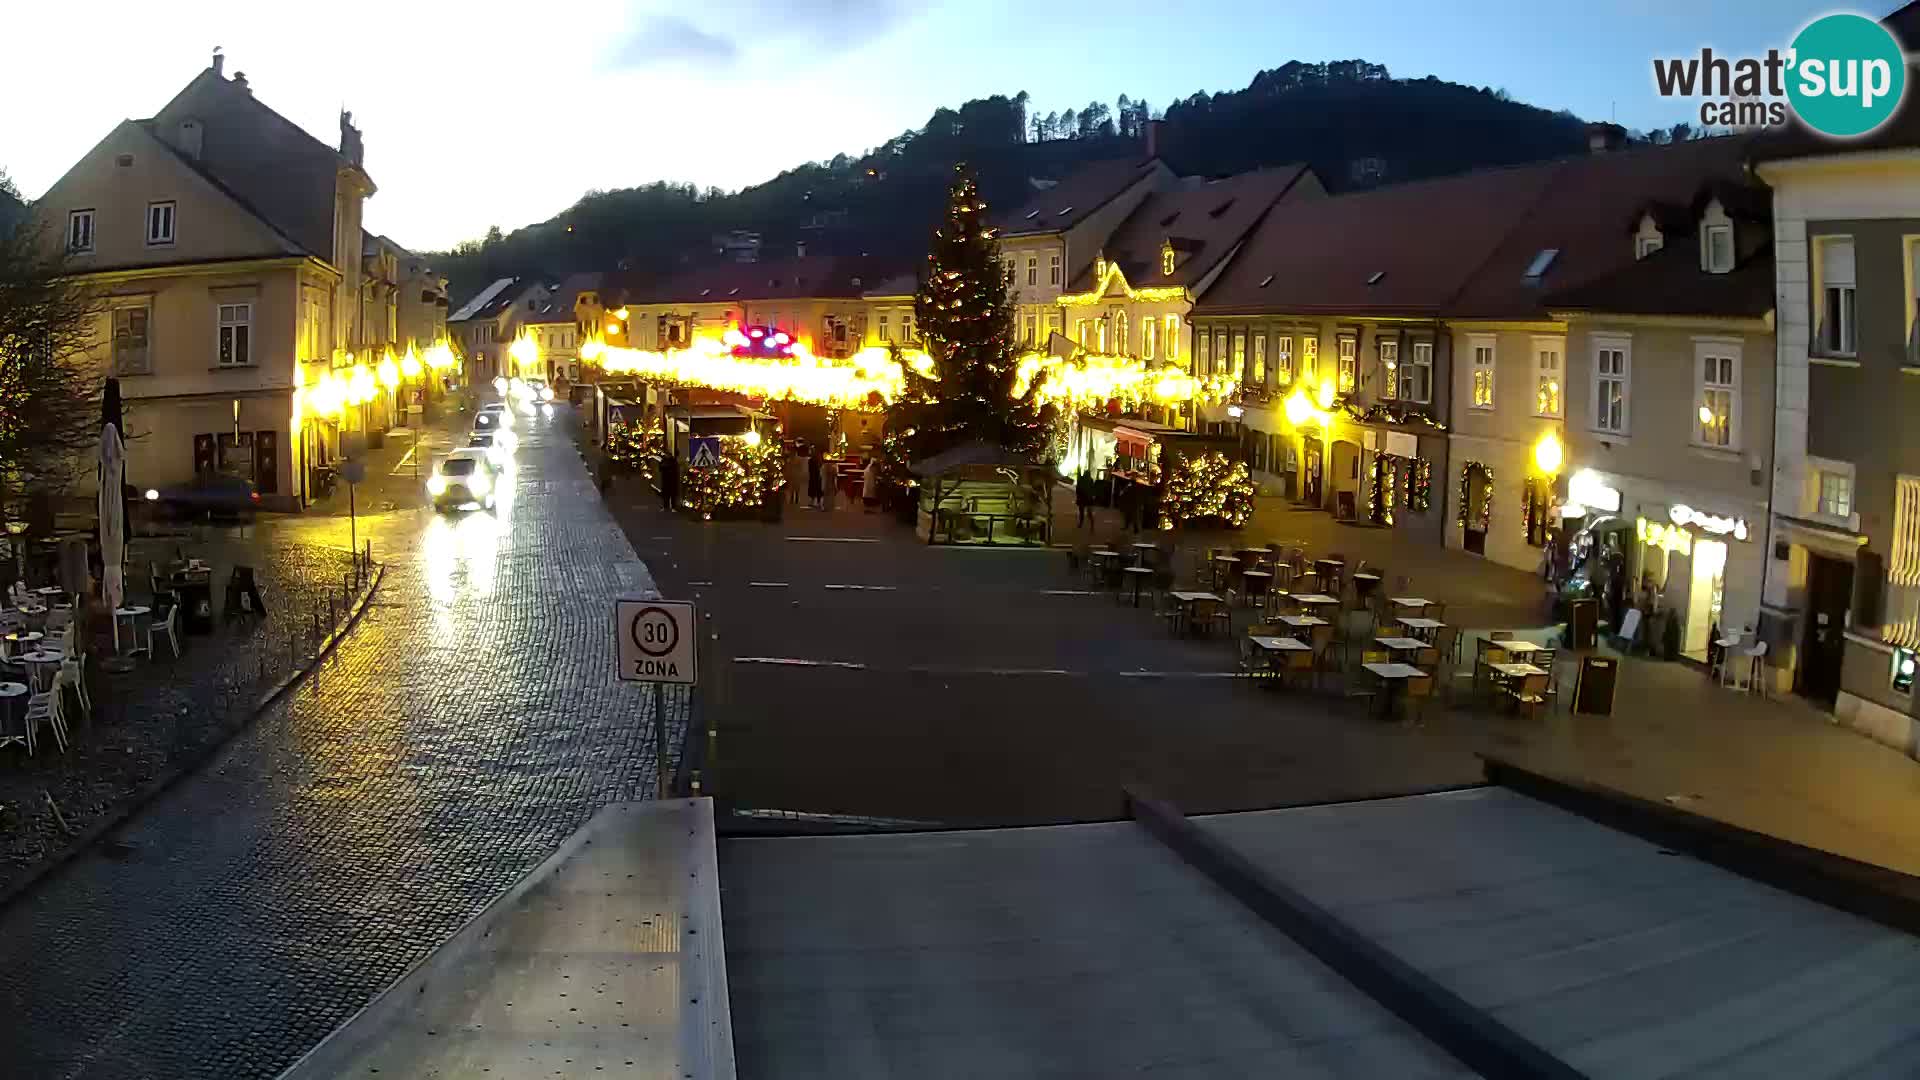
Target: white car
[(497, 443), (492, 416), (463, 480)]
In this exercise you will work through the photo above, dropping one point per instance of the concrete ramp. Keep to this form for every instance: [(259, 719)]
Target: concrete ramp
[(607, 959)]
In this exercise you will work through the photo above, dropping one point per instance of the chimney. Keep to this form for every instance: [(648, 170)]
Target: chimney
[(350, 147), (187, 137), (800, 250), (1153, 138), (1603, 138), (240, 82), (219, 61)]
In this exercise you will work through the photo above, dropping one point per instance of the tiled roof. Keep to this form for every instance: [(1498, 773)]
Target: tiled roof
[(1080, 193), (1202, 219), (481, 300), (896, 285), (785, 279), (1671, 282), (1482, 245)]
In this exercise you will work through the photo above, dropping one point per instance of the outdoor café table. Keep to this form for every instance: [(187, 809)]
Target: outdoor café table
[(1421, 626), (1274, 646), (1254, 556), (12, 702), (132, 614), (1103, 555), (40, 664), (22, 637), (1400, 644), (1223, 569), (1139, 576), (1144, 551), (1302, 622), (1513, 648), (51, 591), (1314, 599), (1329, 570), (1263, 578), (1391, 676), (1516, 670), (1415, 602), (1364, 582), (1188, 600)]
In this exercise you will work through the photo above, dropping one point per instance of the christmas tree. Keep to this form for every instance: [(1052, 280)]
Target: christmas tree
[(964, 312)]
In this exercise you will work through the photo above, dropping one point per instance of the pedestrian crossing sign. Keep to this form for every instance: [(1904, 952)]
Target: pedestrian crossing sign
[(705, 452)]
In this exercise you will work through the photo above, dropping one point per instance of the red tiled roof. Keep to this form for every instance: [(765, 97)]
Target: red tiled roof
[(1080, 193), (785, 279), (1202, 219)]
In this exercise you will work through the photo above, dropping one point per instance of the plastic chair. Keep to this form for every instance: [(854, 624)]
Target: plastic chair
[(170, 626), (1528, 692), (1295, 665), (1547, 660), (1417, 691)]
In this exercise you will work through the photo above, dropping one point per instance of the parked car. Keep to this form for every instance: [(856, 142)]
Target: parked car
[(462, 480), (209, 496), (497, 443), (493, 415)]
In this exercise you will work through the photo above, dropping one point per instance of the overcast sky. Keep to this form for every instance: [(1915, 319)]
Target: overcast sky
[(488, 112)]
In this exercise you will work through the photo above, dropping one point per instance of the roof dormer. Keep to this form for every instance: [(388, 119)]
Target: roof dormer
[(1648, 237), (1167, 257), (1100, 268), (1718, 252)]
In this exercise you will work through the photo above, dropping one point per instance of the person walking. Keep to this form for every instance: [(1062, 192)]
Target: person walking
[(1083, 499), (813, 478), (829, 482), (669, 480), (870, 485), (796, 474)]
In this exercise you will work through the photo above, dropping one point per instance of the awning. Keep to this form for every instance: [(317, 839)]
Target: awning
[(1132, 443)]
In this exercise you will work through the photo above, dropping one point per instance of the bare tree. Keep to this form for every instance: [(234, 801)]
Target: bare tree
[(49, 385)]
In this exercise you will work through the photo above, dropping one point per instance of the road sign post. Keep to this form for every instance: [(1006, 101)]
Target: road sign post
[(657, 643)]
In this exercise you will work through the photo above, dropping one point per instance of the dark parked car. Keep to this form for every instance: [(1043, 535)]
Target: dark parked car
[(207, 497)]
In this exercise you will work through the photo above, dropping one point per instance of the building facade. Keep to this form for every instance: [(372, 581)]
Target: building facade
[(225, 244)]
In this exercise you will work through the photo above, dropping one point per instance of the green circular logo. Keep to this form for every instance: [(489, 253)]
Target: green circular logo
[(1848, 75)]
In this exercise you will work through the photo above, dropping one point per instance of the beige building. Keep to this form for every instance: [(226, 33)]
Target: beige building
[(226, 244), (487, 325), (817, 299), (1669, 367)]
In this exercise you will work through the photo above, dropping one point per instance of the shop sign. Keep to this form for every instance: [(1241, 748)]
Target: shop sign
[(1587, 489), (1401, 444), (1663, 536), (1710, 523)]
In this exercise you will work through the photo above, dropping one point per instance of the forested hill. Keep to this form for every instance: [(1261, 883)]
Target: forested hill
[(1354, 123)]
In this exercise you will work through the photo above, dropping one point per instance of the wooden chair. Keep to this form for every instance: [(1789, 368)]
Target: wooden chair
[(1295, 665), (1361, 683), (1528, 692), (1320, 640), (1417, 692)]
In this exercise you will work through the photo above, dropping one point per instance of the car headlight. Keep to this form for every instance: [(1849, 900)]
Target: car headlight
[(436, 484)]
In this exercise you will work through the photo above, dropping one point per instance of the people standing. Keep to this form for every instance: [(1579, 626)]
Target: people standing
[(796, 473), (813, 478), (870, 485), (669, 479), (829, 482), (1083, 498)]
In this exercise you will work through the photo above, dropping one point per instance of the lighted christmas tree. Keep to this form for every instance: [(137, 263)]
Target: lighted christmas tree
[(964, 313)]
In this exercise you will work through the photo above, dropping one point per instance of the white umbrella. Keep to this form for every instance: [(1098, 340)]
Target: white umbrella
[(113, 520)]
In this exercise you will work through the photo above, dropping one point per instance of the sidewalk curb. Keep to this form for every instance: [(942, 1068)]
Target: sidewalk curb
[(85, 839)]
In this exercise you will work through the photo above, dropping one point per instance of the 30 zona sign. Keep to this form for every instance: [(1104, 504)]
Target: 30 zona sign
[(656, 640)]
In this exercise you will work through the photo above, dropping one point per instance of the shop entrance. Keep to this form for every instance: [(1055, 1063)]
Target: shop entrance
[(1823, 644), (1705, 592), (1346, 480), (1479, 513), (1312, 469)]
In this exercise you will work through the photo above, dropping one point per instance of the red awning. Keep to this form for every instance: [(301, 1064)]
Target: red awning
[(1132, 443)]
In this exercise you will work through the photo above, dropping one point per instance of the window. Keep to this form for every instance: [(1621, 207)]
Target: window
[(1836, 295), (1148, 326), (160, 223), (1220, 353), (1717, 422), (1347, 348), (1049, 325), (1310, 355), (1283, 359), (1416, 376), (1033, 269), (1260, 359), (1612, 367), (1389, 366), (1173, 337), (1166, 261), (1901, 615), (130, 355), (1483, 369), (309, 325), (1081, 333), (236, 328), (1032, 324), (1836, 494), (1547, 372), (886, 327), (1239, 369), (1101, 329), (906, 327), (1719, 248), (1122, 342), (1644, 246), (1203, 352), (79, 230), (1053, 269)]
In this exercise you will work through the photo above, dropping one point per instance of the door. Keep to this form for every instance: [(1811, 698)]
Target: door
[(1823, 644), (1705, 591), (1312, 468), (266, 462), (1479, 492), (202, 454)]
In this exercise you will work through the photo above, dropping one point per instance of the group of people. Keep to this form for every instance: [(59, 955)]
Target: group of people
[(822, 479), (1138, 503)]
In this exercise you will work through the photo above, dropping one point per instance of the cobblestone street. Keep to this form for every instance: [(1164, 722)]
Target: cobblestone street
[(468, 725)]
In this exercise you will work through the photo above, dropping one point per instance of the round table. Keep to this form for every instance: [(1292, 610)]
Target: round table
[(51, 590), (1139, 574), (132, 615), (11, 694), (39, 662), (24, 637)]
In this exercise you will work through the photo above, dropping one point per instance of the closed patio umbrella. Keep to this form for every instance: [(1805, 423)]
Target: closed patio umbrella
[(113, 506)]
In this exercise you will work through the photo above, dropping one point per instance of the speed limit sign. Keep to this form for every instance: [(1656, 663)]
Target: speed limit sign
[(656, 640)]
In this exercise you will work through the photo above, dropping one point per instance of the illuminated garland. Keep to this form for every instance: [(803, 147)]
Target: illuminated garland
[(747, 475), (1207, 488), (1393, 412), (1380, 496), (630, 446), (1420, 486), (873, 376), (1486, 490)]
